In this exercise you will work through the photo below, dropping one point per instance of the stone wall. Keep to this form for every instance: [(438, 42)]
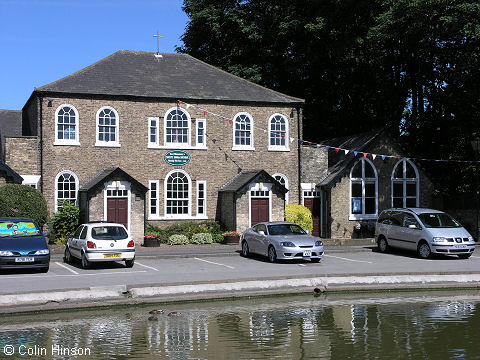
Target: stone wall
[(22, 154), (314, 165)]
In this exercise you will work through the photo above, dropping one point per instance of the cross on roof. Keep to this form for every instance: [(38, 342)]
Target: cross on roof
[(158, 36)]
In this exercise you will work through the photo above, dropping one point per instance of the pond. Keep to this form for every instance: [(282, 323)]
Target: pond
[(398, 325)]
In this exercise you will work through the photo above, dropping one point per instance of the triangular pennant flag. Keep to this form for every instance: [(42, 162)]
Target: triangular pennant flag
[(383, 157), (374, 156), (347, 151), (327, 147), (337, 150), (230, 121), (365, 155), (399, 158), (204, 112), (291, 139), (355, 152), (179, 102), (188, 106)]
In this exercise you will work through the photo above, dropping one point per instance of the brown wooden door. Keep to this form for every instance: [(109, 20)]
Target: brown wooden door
[(117, 211), (259, 210), (313, 204)]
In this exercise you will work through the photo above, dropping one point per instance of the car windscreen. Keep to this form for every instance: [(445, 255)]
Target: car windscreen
[(20, 228), (109, 233), (438, 220), (285, 229)]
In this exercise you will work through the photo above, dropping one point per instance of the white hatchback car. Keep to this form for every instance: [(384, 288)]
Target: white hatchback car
[(100, 241)]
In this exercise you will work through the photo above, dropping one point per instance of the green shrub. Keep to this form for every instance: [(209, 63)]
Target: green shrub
[(64, 222), (187, 228), (202, 238), (23, 201), (177, 240), (299, 214)]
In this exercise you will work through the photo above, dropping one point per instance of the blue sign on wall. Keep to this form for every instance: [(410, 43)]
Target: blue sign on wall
[(177, 158)]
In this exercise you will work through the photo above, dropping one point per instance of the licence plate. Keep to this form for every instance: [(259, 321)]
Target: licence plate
[(460, 246), (24, 259), (107, 256), (307, 253)]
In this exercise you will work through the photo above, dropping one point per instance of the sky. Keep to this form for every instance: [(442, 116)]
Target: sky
[(42, 41)]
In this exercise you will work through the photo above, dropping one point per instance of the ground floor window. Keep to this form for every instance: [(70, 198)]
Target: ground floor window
[(66, 187)]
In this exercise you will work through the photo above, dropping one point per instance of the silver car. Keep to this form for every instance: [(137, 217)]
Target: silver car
[(281, 240), (425, 231)]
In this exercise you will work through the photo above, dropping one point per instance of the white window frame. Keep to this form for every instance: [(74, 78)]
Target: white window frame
[(31, 180), (74, 142), (286, 135), (155, 215), (202, 144), (150, 133), (404, 180), (56, 187), (176, 145), (252, 144), (363, 181), (204, 183), (285, 179), (165, 193), (115, 143)]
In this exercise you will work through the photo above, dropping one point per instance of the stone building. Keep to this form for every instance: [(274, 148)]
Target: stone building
[(151, 137), (347, 183)]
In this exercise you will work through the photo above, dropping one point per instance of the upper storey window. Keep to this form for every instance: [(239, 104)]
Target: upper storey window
[(66, 125), (243, 132), (177, 128), (278, 133), (107, 127)]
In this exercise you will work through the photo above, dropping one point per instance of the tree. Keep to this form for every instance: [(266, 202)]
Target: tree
[(23, 201)]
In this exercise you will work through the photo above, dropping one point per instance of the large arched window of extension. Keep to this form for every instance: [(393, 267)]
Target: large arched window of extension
[(363, 190), (66, 125), (178, 194), (107, 127), (243, 132), (405, 184), (177, 128), (66, 188), (278, 133), (282, 179)]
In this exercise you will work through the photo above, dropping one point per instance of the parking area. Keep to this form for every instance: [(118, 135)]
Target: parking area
[(194, 269)]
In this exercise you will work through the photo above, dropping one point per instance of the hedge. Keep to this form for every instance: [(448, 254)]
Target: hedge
[(23, 201)]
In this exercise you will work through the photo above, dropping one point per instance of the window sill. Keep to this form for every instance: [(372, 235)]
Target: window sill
[(66, 143), (363, 217), (183, 147), (114, 145), (243, 148), (179, 217), (284, 149)]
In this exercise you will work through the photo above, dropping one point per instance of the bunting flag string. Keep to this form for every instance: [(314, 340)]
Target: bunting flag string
[(328, 147)]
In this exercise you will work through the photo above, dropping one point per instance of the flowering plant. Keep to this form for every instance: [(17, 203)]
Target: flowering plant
[(231, 233), (151, 236)]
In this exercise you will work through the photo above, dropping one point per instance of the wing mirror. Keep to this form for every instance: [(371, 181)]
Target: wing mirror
[(307, 231), (412, 226)]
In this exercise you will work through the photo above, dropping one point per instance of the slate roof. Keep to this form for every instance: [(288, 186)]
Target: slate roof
[(240, 181), (110, 174), (7, 172), (173, 76), (339, 163), (10, 125)]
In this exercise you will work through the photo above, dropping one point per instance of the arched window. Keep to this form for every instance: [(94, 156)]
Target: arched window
[(278, 133), (177, 194), (107, 127), (405, 184), (66, 187), (177, 127), (363, 182), (242, 132), (66, 125), (282, 179)]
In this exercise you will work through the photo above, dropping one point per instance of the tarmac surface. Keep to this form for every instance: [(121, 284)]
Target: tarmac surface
[(187, 277)]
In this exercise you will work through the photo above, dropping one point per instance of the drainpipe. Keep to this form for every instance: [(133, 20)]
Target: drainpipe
[(300, 133), (41, 144)]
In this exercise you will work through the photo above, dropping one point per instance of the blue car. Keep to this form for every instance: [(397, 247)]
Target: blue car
[(22, 245)]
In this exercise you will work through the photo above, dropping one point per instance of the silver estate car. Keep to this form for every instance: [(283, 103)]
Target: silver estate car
[(281, 240), (425, 231)]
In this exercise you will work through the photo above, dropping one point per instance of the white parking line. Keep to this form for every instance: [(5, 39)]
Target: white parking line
[(148, 267), (66, 267), (214, 263), (48, 275), (338, 257)]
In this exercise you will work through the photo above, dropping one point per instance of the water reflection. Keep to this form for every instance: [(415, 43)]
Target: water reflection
[(421, 325)]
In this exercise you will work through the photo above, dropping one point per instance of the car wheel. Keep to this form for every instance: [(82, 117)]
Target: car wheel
[(464, 256), (315, 260), (85, 262), (245, 251), (272, 254), (129, 263), (424, 251), (67, 256), (382, 244)]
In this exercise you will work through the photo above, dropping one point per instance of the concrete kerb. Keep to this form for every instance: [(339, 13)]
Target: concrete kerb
[(121, 294)]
